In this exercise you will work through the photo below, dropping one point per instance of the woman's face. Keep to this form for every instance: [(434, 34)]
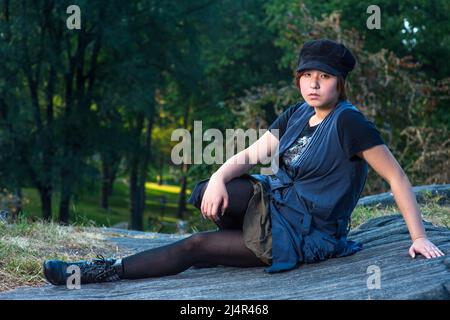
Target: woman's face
[(322, 84)]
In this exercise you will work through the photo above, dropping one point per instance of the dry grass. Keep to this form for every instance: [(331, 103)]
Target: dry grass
[(25, 245), (438, 215)]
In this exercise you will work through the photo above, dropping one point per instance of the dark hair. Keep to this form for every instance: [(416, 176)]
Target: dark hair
[(340, 84)]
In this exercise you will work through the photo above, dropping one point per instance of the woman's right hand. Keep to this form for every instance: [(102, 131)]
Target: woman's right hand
[(215, 199)]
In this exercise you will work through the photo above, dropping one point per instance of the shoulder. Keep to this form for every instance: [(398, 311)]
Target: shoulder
[(356, 132), (349, 116), (353, 120), (291, 109), (283, 118)]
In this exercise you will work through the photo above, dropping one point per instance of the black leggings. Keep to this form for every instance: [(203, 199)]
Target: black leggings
[(203, 249)]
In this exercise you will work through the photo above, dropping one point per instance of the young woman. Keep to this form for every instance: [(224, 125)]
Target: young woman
[(301, 213)]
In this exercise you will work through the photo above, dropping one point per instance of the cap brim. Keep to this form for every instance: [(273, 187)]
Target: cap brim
[(317, 65)]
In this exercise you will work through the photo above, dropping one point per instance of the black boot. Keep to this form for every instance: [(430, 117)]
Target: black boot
[(95, 270)]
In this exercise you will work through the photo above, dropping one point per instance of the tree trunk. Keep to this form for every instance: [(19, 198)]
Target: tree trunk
[(17, 203), (182, 197), (66, 195), (113, 169), (111, 180), (46, 202), (109, 168), (136, 221), (144, 165), (80, 100), (161, 170), (104, 194), (184, 169), (136, 217), (49, 152)]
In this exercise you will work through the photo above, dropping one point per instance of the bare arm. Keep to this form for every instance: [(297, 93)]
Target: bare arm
[(215, 198), (383, 162), (242, 162)]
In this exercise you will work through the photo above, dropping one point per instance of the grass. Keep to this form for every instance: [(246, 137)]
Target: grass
[(85, 210), (24, 246), (438, 215)]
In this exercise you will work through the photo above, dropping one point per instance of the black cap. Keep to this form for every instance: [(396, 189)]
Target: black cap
[(326, 55)]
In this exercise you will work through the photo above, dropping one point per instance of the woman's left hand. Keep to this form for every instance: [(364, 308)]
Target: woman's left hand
[(426, 248)]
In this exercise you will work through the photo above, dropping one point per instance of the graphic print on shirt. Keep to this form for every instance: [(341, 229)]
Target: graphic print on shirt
[(293, 152)]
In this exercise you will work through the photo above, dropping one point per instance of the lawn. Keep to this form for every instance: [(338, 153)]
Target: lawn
[(85, 209)]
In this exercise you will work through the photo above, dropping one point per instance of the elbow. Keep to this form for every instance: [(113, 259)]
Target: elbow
[(397, 177)]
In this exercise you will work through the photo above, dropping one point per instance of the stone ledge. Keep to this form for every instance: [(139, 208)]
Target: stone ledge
[(385, 239)]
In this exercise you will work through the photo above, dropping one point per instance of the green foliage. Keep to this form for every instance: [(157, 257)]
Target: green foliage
[(394, 92), (78, 107)]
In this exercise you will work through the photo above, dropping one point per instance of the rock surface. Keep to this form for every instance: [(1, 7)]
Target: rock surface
[(385, 253), (386, 198), (385, 239)]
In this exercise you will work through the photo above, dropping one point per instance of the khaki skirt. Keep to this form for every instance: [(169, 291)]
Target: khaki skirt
[(257, 227)]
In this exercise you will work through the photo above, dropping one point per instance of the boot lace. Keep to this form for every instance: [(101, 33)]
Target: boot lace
[(98, 270)]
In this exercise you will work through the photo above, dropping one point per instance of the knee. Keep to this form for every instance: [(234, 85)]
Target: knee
[(197, 194), (195, 242), (227, 222)]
